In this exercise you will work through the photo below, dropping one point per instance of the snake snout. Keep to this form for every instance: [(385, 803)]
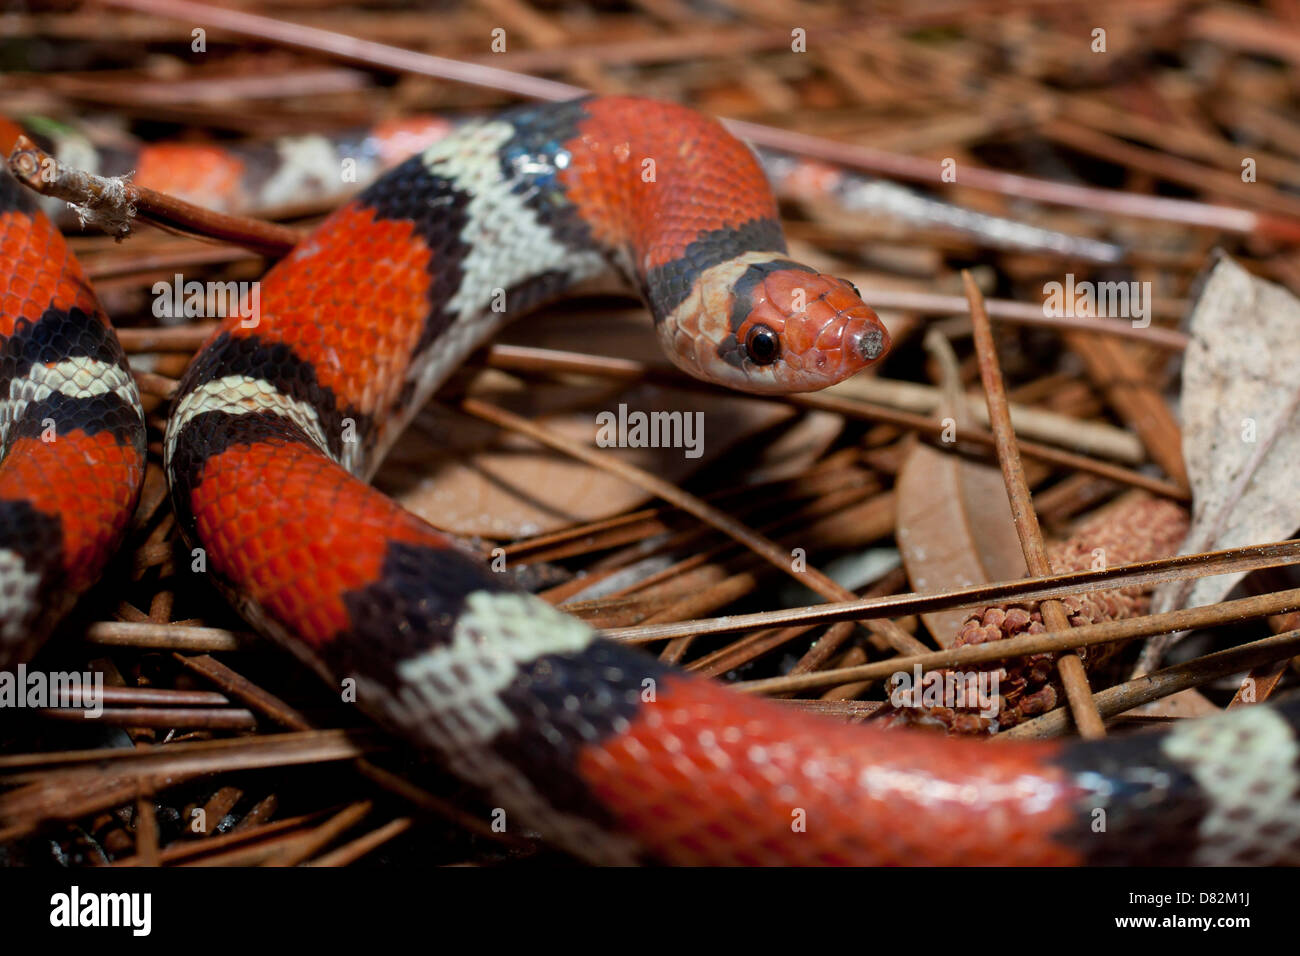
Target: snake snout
[(870, 342)]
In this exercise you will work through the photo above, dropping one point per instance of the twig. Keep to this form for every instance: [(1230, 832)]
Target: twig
[(851, 155), (296, 851), (180, 851), (1051, 642), (1259, 684), (194, 718), (267, 750), (1142, 574), (1163, 683), (809, 577), (350, 852), (1073, 675), (380, 55), (241, 688), (522, 358), (174, 637), (112, 203)]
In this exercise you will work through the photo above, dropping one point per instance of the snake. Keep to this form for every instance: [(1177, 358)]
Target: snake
[(590, 744), (72, 430)]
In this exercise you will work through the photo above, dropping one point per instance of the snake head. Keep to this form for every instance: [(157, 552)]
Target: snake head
[(764, 323)]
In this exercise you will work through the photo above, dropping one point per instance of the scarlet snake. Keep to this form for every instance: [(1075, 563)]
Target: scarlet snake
[(604, 751)]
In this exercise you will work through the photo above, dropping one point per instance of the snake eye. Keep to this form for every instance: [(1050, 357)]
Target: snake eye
[(853, 287), (763, 345)]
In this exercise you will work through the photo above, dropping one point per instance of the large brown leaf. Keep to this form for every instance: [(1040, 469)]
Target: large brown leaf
[(1241, 430), (954, 524)]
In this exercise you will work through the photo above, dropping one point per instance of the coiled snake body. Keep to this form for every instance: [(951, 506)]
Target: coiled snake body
[(603, 750)]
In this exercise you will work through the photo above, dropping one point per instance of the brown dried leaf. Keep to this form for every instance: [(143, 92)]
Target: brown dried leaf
[(954, 524), (954, 528), (1241, 430)]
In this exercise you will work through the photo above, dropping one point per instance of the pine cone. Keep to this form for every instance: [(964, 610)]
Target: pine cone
[(1137, 528)]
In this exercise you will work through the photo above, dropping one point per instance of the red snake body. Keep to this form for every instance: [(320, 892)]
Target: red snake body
[(72, 440), (603, 750)]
